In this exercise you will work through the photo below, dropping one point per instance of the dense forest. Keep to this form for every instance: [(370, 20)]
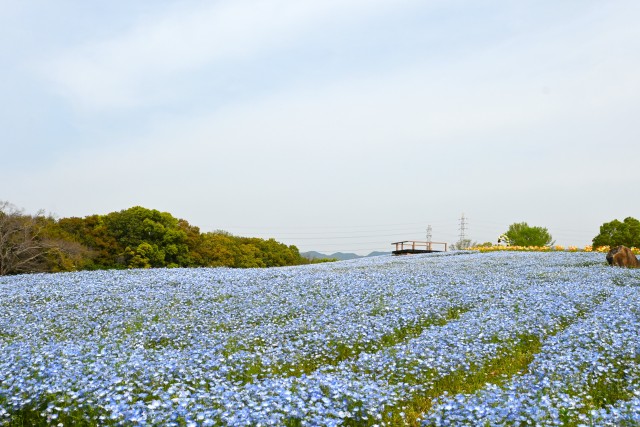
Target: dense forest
[(132, 238)]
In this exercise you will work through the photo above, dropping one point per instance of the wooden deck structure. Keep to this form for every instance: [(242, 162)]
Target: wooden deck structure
[(414, 247)]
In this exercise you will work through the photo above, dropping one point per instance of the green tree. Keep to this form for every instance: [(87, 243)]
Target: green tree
[(135, 237), (145, 256), (275, 254), (220, 248), (249, 255), (165, 243), (92, 232), (617, 233), (521, 234), (215, 249), (65, 252)]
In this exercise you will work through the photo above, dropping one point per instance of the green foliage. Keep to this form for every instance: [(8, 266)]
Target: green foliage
[(64, 253), (92, 233), (148, 238), (616, 233), (217, 249), (521, 234), (131, 238)]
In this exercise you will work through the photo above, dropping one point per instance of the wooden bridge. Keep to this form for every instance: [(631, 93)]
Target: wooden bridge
[(414, 247)]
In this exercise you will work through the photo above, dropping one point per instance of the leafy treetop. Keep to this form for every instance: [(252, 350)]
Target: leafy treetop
[(521, 234), (616, 233)]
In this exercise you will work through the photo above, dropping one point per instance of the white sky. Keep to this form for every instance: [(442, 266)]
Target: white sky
[(334, 125)]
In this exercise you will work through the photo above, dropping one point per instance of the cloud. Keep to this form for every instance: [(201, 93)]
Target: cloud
[(497, 96), (502, 123), (421, 121), (132, 69)]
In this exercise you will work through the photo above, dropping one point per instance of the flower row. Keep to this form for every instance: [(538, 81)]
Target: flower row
[(499, 248), (356, 341)]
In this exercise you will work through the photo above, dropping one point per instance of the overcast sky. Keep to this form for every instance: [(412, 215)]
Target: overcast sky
[(334, 125)]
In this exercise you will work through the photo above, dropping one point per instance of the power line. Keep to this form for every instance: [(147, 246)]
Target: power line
[(343, 237), (337, 234), (324, 227)]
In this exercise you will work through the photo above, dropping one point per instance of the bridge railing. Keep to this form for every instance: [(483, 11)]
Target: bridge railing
[(409, 246)]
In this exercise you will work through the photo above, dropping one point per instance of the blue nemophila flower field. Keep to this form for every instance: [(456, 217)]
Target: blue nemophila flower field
[(444, 339)]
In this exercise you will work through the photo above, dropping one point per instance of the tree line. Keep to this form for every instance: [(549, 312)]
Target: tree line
[(147, 238), (613, 233), (132, 238), (518, 234)]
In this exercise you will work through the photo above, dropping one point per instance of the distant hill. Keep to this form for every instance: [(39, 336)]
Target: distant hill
[(378, 253), (342, 256)]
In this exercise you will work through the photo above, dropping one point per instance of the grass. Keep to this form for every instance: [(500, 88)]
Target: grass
[(511, 362), (338, 351)]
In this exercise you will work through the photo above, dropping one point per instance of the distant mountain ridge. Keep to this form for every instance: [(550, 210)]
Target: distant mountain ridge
[(342, 256)]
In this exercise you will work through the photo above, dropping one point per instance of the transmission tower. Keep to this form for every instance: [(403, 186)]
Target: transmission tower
[(428, 233), (463, 229)]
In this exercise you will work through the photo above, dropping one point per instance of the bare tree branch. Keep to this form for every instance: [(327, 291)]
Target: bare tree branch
[(22, 249)]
